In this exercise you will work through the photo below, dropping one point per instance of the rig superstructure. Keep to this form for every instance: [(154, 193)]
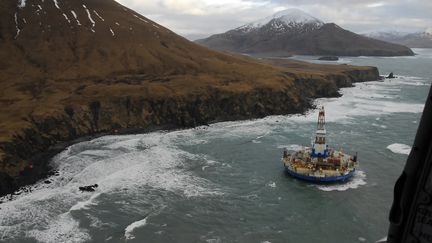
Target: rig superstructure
[(319, 163)]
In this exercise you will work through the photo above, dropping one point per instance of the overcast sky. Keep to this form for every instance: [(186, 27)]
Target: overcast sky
[(195, 19)]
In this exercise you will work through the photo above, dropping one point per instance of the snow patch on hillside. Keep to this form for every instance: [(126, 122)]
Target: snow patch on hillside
[(66, 17), (56, 4), (136, 16), (39, 9), (76, 17), (98, 15), (16, 25), (90, 17)]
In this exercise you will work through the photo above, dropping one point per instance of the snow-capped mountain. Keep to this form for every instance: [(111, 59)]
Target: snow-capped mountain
[(290, 19), (293, 31), (417, 39)]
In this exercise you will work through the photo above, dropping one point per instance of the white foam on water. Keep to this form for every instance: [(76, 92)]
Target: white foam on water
[(62, 229), (272, 184), (399, 148), (112, 32), (368, 99), (383, 240), (362, 239), (130, 228), (291, 147), (85, 204), (377, 125), (359, 179), (120, 163), (256, 140)]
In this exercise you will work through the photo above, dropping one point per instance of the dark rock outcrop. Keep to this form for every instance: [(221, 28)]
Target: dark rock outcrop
[(90, 188), (391, 75), (329, 58)]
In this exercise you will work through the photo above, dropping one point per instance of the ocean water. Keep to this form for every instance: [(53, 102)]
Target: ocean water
[(226, 183)]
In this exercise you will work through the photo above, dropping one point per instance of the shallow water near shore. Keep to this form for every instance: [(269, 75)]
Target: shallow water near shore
[(225, 182)]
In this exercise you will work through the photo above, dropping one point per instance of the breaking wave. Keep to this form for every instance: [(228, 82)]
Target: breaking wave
[(115, 163), (359, 179)]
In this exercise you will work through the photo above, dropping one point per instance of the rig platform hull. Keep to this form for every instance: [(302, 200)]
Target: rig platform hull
[(320, 179)]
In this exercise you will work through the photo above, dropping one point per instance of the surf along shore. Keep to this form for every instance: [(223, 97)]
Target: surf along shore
[(34, 129)]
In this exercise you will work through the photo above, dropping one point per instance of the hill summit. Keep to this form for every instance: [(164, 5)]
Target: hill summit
[(293, 31), (285, 21)]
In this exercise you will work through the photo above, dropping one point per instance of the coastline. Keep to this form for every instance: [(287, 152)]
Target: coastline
[(37, 146)]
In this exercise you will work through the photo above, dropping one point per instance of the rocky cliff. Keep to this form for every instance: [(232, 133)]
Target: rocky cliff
[(26, 154)]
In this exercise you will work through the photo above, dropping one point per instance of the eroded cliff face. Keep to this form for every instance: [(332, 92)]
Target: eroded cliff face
[(26, 155)]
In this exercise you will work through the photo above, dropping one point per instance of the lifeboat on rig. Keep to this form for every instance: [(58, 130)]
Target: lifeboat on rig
[(319, 163)]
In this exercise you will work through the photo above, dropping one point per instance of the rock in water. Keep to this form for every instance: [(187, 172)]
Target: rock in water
[(391, 75), (90, 188), (329, 58)]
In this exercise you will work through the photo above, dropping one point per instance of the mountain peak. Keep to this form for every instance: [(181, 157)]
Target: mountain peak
[(295, 15), (288, 17)]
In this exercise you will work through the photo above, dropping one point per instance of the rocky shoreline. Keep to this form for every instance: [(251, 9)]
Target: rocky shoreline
[(34, 147)]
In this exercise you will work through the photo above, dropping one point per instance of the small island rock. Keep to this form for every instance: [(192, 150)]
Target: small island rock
[(391, 75), (329, 58)]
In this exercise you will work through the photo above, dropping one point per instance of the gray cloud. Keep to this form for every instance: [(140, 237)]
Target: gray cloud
[(201, 18)]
